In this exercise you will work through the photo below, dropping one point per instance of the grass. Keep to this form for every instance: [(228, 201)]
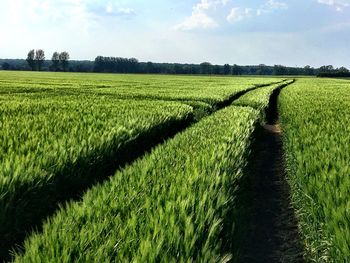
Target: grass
[(62, 132), (315, 115), (211, 90), (259, 99), (51, 147), (169, 206)]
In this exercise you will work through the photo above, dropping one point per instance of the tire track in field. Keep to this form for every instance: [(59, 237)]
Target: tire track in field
[(268, 228)]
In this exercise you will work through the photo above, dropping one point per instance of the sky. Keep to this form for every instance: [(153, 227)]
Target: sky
[(287, 32)]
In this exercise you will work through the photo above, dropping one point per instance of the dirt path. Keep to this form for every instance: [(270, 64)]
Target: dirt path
[(266, 229), (272, 233), (269, 225)]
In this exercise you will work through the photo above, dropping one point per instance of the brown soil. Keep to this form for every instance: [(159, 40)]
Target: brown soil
[(271, 232), (273, 128)]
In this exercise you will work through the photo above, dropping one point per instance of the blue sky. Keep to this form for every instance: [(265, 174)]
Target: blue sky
[(293, 33)]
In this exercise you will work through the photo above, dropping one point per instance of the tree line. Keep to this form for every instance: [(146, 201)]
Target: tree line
[(36, 59), (116, 65), (60, 62), (330, 72), (124, 65)]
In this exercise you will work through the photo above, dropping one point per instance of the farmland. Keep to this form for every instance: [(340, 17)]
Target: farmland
[(190, 194), (203, 89), (49, 146), (315, 118), (106, 168)]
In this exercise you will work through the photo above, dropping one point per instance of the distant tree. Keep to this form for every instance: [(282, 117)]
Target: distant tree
[(227, 69), (330, 72), (217, 70), (205, 68), (63, 58), (194, 69), (81, 66), (236, 70), (309, 70), (55, 61), (280, 70), (30, 59), (178, 69), (132, 65), (326, 69), (149, 67), (186, 69), (343, 70), (292, 71), (39, 58), (5, 66), (99, 64), (262, 70)]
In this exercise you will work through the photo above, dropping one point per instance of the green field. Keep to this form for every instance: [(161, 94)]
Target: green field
[(316, 119), (147, 168)]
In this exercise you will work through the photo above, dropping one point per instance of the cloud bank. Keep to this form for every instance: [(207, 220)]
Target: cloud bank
[(209, 14)]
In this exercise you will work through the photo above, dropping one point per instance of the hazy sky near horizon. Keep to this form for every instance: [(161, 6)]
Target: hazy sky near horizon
[(288, 32)]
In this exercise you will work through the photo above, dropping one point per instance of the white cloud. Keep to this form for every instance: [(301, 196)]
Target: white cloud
[(270, 6), (339, 5), (273, 4), (47, 12), (109, 8), (207, 14), (237, 14), (210, 4), (113, 10), (126, 11), (47, 24), (200, 19)]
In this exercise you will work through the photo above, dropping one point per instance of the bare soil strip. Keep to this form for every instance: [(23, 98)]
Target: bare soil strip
[(268, 226)]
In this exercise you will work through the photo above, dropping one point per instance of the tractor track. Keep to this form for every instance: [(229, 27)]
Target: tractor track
[(268, 226)]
